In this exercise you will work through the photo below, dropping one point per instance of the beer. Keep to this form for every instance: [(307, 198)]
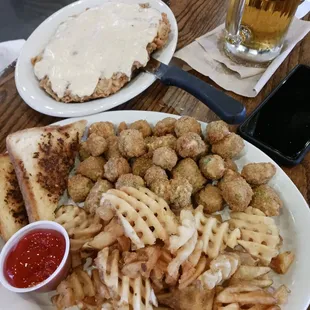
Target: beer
[(264, 24)]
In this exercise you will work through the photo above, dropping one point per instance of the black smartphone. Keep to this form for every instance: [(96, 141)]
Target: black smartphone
[(280, 125)]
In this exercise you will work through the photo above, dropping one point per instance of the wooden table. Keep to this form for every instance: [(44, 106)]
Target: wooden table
[(195, 17)]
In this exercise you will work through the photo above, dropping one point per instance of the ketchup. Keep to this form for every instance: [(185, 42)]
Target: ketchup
[(35, 257)]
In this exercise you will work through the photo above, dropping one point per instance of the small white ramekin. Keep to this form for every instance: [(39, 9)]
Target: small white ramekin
[(54, 279)]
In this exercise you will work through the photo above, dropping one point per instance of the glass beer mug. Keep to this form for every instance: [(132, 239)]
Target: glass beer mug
[(255, 29)]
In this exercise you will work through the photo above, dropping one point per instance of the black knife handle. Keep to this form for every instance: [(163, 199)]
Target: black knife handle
[(226, 107)]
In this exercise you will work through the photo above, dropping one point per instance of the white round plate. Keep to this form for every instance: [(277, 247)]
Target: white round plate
[(28, 85), (294, 222)]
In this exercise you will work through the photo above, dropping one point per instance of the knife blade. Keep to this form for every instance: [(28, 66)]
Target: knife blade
[(224, 106)]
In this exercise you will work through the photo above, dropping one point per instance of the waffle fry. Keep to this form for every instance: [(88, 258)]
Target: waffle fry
[(215, 236), (259, 234), (126, 293), (138, 221)]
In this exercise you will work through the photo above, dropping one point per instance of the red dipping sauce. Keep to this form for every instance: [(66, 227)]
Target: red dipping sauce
[(34, 258)]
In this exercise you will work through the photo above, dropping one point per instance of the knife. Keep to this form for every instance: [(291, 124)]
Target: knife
[(227, 108)]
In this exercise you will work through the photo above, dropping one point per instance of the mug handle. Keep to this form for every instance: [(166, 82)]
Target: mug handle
[(233, 21)]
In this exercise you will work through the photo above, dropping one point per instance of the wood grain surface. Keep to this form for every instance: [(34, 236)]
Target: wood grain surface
[(195, 17)]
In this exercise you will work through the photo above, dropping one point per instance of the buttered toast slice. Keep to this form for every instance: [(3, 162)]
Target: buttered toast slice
[(42, 159), (13, 214)]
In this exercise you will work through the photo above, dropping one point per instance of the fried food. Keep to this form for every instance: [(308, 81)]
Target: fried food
[(92, 201), (216, 131), (186, 124), (141, 164), (129, 179), (191, 145), (258, 173), (165, 158), (212, 166), (96, 145), (115, 167), (79, 187), (210, 198), (281, 263), (157, 142), (113, 150), (266, 199), (165, 127), (121, 127), (143, 126), (180, 194), (92, 168), (83, 151), (102, 129), (131, 143), (162, 188), (188, 169), (236, 191), (153, 174), (229, 147), (230, 164)]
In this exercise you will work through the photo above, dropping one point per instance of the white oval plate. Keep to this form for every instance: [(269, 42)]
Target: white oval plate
[(294, 222), (28, 85)]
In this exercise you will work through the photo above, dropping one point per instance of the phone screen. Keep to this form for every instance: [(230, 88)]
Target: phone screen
[(283, 122)]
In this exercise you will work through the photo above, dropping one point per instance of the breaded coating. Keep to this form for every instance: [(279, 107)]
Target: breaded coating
[(165, 158), (96, 145), (210, 198), (165, 127), (229, 147), (113, 150), (212, 166), (190, 145), (92, 201), (79, 187), (115, 167), (267, 200), (83, 151), (130, 180), (156, 142), (187, 124), (102, 129), (216, 131), (188, 169), (141, 164), (154, 173), (230, 164), (143, 126), (180, 194), (258, 173), (121, 127), (236, 191), (161, 188), (92, 168), (131, 143)]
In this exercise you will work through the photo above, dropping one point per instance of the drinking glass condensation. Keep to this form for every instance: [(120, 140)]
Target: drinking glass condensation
[(255, 29)]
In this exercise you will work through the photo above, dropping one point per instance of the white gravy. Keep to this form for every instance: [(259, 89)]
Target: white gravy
[(96, 44)]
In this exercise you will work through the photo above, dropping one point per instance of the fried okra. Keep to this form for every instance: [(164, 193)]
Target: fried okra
[(230, 164), (129, 180), (180, 194), (229, 147), (96, 145), (121, 127), (141, 164), (186, 124), (143, 126), (165, 158), (92, 168), (190, 145), (156, 142), (115, 167), (267, 200), (92, 201), (212, 166), (161, 188), (131, 143), (113, 150), (165, 127), (188, 169), (79, 187), (102, 129), (154, 173), (83, 151), (258, 173), (210, 198), (216, 131)]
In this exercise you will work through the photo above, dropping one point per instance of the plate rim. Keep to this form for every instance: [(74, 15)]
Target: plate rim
[(97, 105)]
